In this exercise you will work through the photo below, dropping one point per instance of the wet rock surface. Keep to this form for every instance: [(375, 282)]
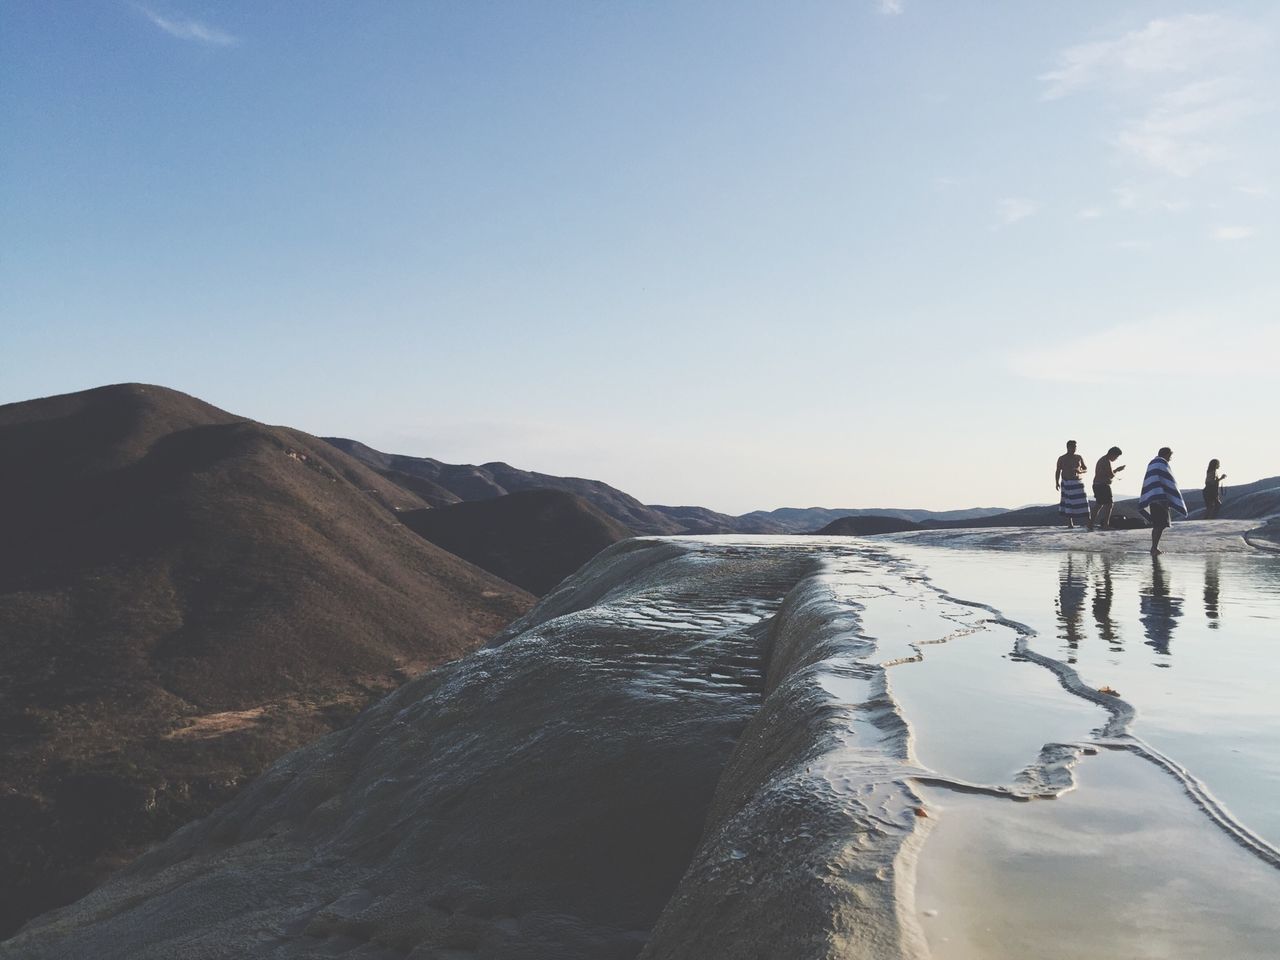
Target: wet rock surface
[(541, 798)]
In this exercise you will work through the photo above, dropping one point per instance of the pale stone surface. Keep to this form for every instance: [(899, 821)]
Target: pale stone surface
[(1186, 536)]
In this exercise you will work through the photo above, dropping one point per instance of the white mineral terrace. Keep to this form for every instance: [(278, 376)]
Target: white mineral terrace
[(957, 745)]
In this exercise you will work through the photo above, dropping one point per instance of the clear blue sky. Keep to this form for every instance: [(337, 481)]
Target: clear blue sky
[(737, 254)]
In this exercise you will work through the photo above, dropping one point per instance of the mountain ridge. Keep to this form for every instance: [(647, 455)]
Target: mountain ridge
[(185, 595), (481, 481)]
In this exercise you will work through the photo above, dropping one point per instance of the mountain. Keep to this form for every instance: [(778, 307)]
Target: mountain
[(185, 595), (533, 538), (809, 519), (1249, 501), (1239, 504), (440, 483), (702, 521), (866, 526), (469, 482), (1033, 516)]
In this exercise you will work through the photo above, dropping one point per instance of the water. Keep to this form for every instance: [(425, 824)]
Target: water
[(978, 713), (1192, 642), (1122, 867), (1132, 861)]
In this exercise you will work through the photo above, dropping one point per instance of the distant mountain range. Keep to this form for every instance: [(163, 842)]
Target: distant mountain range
[(1248, 501), (451, 483)]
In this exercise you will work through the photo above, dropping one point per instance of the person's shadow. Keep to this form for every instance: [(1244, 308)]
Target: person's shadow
[(1159, 610)]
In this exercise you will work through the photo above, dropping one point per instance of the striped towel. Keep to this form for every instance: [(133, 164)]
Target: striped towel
[(1159, 487), (1074, 502)]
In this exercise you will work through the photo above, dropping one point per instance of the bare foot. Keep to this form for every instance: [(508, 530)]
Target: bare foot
[(1155, 552)]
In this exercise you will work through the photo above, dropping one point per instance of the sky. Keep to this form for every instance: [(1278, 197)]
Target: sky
[(870, 253)]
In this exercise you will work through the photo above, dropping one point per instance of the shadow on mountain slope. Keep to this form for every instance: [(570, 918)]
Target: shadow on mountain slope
[(533, 539)]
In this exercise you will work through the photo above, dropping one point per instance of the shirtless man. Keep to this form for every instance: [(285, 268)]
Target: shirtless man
[(1104, 501), (1074, 502)]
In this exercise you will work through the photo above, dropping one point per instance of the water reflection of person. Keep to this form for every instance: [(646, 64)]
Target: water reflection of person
[(1071, 591), (1103, 594), (1159, 610), (1211, 592)]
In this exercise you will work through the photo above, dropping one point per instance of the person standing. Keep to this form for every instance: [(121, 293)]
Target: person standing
[(1104, 501), (1160, 495), (1212, 490), (1073, 502)]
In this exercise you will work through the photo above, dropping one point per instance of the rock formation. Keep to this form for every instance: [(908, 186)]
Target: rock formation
[(641, 764), (861, 526), (533, 539)]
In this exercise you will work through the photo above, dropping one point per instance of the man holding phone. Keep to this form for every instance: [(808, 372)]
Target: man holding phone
[(1104, 501)]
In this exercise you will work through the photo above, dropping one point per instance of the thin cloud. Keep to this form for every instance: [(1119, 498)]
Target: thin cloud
[(890, 8), (1176, 45), (1177, 345), (1011, 210), (1089, 213), (186, 28), (1126, 197), (1183, 131), (1227, 234), (1184, 86)]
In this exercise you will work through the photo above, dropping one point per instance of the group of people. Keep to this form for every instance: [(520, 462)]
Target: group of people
[(1160, 493)]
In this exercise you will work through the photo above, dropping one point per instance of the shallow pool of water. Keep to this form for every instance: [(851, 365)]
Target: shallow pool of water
[(1192, 642), (1122, 867)]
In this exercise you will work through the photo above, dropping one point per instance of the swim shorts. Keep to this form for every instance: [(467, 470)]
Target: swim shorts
[(1159, 514)]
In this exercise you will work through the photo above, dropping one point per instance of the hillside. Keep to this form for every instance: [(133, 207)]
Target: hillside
[(470, 482), (435, 482), (1248, 501), (1252, 504), (184, 596), (809, 519), (700, 520), (866, 526), (534, 538)]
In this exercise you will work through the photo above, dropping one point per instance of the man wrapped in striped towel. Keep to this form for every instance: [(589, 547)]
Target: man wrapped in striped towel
[(1074, 502), (1160, 495)]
